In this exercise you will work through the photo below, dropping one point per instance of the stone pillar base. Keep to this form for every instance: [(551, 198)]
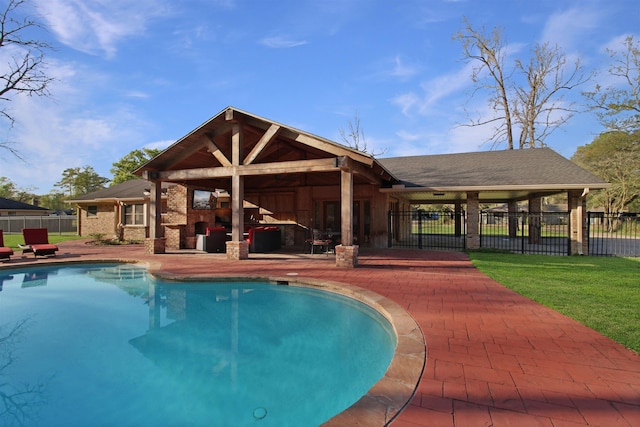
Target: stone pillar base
[(237, 250), (347, 256), (155, 246)]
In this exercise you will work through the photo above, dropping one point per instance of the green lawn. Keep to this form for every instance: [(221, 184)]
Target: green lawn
[(13, 240), (600, 292)]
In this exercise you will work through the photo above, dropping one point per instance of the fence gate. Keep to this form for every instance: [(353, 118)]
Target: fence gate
[(614, 235), (427, 230), (521, 232)]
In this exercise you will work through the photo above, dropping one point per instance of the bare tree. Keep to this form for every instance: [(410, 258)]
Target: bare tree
[(354, 137), (24, 71), (539, 106), (488, 51), (526, 97), (618, 107)]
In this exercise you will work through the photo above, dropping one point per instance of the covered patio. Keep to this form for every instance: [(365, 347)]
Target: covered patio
[(275, 175)]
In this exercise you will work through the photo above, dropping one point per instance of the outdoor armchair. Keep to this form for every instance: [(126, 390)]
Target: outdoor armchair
[(36, 240), (5, 252)]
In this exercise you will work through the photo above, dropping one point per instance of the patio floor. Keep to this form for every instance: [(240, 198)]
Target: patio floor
[(494, 358)]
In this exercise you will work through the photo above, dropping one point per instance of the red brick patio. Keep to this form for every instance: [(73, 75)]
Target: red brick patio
[(494, 358)]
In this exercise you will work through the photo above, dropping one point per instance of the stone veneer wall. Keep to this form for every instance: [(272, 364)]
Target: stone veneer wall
[(181, 218), (347, 256)]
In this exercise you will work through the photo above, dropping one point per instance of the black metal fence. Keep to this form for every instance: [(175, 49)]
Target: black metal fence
[(614, 235), (427, 230), (521, 232), (54, 224)]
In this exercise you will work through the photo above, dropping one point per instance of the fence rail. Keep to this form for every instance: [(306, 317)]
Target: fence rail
[(544, 233), (614, 235), (54, 224), (427, 230), (522, 232)]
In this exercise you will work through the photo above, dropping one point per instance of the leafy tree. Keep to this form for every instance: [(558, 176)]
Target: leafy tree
[(618, 106), (79, 181), (526, 96), (615, 157), (9, 190), (123, 168), (7, 187), (54, 200), (24, 69)]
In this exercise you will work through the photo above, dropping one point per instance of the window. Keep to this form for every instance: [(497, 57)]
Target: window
[(92, 210), (134, 214)]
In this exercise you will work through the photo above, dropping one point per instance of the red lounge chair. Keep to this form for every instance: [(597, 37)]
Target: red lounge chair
[(5, 252), (36, 240)]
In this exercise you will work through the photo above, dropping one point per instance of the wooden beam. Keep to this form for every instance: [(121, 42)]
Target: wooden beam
[(197, 173), (333, 148), (219, 155), (296, 166), (266, 138), (185, 153)]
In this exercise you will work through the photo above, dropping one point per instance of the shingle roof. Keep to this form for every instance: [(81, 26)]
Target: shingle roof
[(8, 204), (536, 166), (132, 189)]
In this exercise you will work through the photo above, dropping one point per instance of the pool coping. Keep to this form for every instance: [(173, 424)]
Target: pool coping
[(386, 399)]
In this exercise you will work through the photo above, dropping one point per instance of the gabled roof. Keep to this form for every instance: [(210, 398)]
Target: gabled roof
[(271, 150), (14, 205), (131, 190)]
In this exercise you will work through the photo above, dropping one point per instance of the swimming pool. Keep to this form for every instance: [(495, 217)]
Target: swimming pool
[(110, 345)]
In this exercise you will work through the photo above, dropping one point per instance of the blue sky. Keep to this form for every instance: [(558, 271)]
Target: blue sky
[(133, 74)]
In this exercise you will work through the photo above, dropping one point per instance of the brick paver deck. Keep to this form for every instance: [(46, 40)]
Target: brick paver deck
[(494, 358)]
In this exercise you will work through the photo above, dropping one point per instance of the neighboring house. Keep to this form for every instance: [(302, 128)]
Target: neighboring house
[(119, 212), (10, 207)]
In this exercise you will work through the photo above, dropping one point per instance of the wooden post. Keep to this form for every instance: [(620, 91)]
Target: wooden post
[(238, 247), (346, 252), (155, 243), (346, 195)]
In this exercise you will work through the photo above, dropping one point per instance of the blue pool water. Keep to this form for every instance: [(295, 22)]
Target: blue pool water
[(108, 345)]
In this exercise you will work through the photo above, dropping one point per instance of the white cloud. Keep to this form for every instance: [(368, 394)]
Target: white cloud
[(161, 145), (400, 69), (569, 28), (92, 26), (281, 42), (434, 92)]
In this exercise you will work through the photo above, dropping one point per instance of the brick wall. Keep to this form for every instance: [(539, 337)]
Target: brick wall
[(104, 222)]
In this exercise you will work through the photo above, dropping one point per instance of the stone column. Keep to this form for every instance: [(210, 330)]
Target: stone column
[(473, 221), (347, 256), (237, 250), (535, 220), (578, 235)]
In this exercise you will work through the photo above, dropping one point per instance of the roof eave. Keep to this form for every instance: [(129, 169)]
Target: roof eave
[(529, 187)]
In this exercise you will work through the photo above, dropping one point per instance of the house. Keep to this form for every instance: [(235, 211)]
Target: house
[(10, 207), (276, 174), (119, 212)]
